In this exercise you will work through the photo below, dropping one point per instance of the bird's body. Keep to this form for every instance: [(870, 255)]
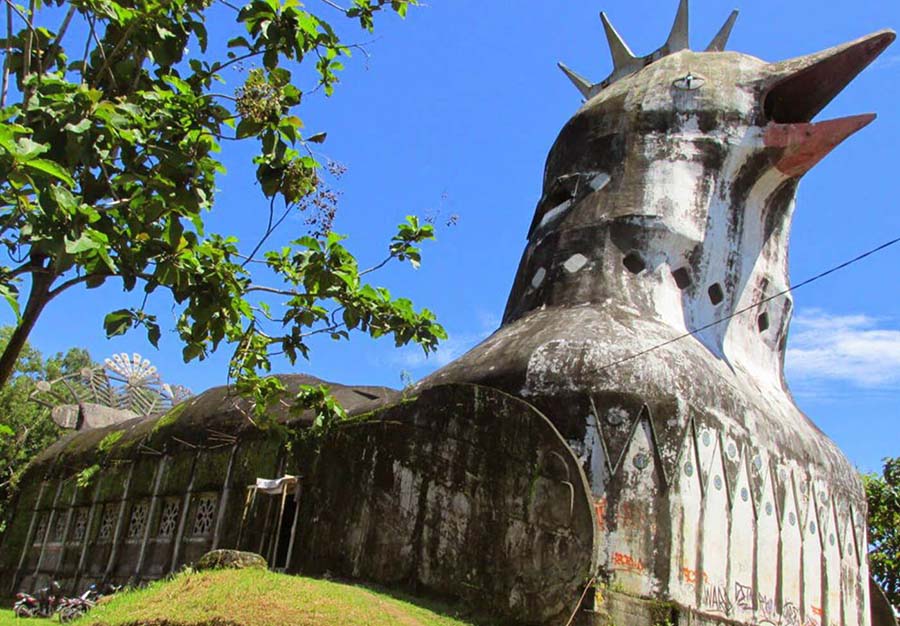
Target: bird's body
[(648, 322)]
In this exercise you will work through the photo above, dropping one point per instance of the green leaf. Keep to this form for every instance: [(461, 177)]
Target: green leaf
[(79, 128), (6, 431), (64, 199), (26, 149), (117, 322), (52, 168), (82, 244), (180, 85), (238, 42), (11, 295)]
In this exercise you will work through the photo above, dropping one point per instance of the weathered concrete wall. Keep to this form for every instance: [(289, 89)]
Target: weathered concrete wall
[(648, 321), (466, 492)]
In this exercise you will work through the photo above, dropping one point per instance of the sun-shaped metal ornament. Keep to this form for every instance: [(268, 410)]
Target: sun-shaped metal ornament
[(124, 387)]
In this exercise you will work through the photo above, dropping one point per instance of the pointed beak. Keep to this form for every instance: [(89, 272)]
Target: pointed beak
[(804, 145), (799, 88)]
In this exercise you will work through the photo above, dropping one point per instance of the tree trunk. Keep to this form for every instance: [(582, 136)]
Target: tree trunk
[(38, 298)]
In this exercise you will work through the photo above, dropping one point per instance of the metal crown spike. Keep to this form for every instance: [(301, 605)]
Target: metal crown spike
[(622, 55), (680, 35), (721, 39), (624, 60), (581, 83)]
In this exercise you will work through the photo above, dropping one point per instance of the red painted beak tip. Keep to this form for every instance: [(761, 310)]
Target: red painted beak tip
[(804, 145)]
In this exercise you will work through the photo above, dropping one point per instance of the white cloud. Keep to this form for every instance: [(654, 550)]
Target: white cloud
[(456, 344), (856, 349), (888, 62)]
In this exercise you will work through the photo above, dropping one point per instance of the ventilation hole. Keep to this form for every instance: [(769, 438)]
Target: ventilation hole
[(716, 295), (682, 277), (634, 263), (762, 322)]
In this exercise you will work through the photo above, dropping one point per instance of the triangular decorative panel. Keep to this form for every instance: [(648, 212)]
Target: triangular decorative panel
[(616, 421)]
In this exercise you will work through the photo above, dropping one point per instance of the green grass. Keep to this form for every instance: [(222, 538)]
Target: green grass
[(254, 597)]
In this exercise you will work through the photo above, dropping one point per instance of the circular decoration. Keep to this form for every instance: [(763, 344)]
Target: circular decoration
[(745, 495), (804, 488), (812, 528), (641, 460), (757, 463), (717, 481), (792, 519), (769, 508), (688, 469), (616, 416), (731, 451), (129, 384), (705, 438), (831, 539)]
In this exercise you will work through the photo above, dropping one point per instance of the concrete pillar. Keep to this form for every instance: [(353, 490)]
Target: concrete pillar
[(50, 521), (86, 540), (185, 507), (223, 498), (120, 521), (69, 514), (290, 550), (154, 504), (29, 538)]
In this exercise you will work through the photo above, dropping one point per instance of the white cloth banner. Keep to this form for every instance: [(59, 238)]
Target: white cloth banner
[(274, 486)]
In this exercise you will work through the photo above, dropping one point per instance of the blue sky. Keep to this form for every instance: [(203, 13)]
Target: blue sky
[(453, 113)]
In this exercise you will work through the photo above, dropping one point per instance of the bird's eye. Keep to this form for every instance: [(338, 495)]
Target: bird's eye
[(689, 82)]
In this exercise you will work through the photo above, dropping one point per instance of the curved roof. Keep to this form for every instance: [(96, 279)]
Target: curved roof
[(215, 416)]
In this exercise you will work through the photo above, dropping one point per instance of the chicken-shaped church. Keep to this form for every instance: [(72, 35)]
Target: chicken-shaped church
[(623, 449)]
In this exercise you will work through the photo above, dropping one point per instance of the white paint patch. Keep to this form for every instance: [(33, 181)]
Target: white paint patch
[(599, 181), (538, 277), (555, 212), (575, 263)]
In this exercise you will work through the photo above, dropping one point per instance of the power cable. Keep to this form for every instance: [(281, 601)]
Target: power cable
[(755, 304)]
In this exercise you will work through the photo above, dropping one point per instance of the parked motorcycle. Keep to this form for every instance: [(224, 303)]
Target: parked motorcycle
[(26, 605), (43, 604), (72, 608)]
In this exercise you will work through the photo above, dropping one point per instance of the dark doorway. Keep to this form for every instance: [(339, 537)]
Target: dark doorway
[(284, 532)]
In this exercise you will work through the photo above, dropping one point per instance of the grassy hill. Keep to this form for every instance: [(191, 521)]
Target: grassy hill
[(255, 597)]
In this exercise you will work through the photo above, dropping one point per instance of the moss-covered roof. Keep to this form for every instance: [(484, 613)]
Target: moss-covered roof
[(206, 419)]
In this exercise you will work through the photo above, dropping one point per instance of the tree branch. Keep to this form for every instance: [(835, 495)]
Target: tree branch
[(334, 5), (273, 290), (114, 52), (26, 53), (11, 5), (377, 267), (71, 283), (230, 6), (6, 61), (54, 48), (103, 54), (38, 298), (87, 48), (243, 57)]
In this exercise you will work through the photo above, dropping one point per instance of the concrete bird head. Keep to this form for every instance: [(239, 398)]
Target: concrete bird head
[(675, 183)]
